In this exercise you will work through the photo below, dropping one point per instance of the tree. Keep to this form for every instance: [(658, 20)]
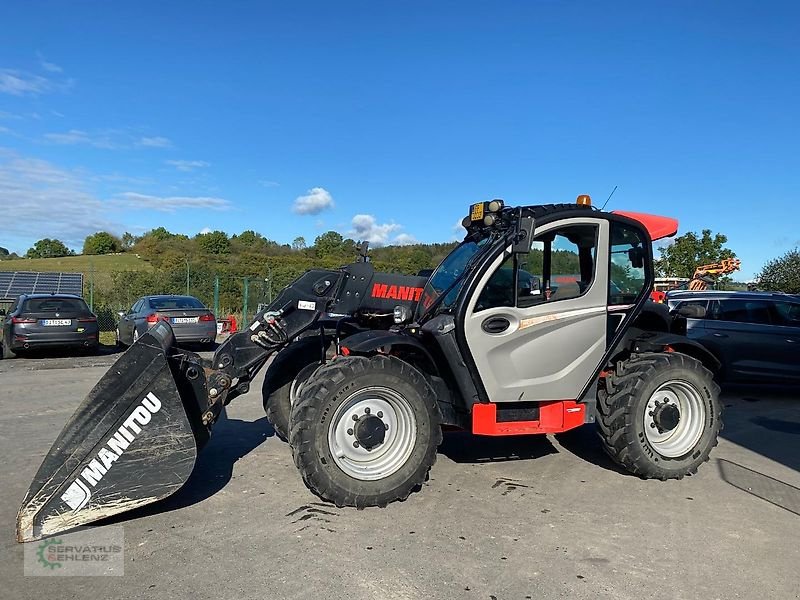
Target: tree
[(690, 250), (128, 241), (782, 274), (216, 242), (329, 243), (299, 243), (47, 248), (101, 242)]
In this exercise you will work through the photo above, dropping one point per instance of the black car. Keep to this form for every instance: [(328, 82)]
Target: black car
[(38, 321), (756, 335)]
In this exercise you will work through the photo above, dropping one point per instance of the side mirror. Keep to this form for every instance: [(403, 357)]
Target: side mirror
[(636, 256), (691, 311), (524, 237)]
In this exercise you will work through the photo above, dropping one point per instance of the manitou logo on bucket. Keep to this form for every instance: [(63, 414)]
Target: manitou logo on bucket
[(79, 492)]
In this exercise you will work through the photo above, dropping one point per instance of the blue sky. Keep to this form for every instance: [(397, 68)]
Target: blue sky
[(385, 120)]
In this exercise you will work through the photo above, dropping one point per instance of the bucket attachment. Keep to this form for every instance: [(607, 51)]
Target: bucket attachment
[(132, 441)]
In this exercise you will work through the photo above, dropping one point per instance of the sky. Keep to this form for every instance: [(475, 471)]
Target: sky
[(385, 120)]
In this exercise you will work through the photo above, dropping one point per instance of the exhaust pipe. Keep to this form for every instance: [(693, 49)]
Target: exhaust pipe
[(26, 345)]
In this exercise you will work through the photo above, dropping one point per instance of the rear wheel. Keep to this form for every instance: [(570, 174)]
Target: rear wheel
[(659, 415), (285, 376), (365, 431)]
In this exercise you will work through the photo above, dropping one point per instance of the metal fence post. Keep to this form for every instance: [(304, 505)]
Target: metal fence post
[(216, 296), (244, 306), (187, 276), (91, 286)]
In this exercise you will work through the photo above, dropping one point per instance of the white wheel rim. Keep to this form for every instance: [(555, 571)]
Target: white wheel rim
[(386, 458), (135, 335), (680, 440)]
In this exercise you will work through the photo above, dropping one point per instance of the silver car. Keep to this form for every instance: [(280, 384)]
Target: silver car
[(189, 318)]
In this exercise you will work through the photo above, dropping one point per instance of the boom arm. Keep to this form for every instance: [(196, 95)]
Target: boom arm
[(703, 274)]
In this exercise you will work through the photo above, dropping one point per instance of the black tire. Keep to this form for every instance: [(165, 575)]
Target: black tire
[(332, 387), (623, 415), (284, 372)]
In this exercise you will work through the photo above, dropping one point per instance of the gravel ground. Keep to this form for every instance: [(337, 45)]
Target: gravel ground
[(529, 517)]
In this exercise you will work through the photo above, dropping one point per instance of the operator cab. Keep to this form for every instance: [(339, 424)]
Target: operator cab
[(534, 296)]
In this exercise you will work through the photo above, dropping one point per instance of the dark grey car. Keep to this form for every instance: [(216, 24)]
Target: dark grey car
[(189, 318), (756, 335), (37, 321)]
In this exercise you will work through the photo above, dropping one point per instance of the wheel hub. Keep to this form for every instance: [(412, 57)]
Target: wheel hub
[(674, 418), (370, 431), (666, 417)]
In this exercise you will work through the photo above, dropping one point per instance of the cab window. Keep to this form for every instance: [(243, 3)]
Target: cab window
[(627, 270), (560, 266)]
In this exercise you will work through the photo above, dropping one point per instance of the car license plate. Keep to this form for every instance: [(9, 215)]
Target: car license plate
[(56, 322), (178, 320)]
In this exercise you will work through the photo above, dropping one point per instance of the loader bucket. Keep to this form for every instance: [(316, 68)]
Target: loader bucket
[(132, 441)]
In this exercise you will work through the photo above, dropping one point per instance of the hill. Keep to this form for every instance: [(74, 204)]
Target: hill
[(78, 264)]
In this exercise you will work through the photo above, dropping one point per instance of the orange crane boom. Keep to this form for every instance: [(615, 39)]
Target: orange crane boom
[(703, 274)]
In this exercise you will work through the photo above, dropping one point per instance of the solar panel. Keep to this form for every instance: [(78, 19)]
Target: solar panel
[(14, 283)]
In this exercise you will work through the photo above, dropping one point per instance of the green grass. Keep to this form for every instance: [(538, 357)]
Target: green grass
[(79, 264)]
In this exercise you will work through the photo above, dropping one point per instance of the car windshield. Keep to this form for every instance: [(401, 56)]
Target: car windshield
[(175, 302), (55, 305), (448, 277)]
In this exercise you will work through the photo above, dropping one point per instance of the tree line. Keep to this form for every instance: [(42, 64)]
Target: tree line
[(250, 254)]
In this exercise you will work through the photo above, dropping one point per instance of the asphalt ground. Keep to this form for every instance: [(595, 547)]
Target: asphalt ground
[(526, 517)]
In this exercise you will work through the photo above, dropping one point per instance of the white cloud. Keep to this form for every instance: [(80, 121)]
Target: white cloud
[(205, 230), (366, 228), (154, 142), (19, 83), (405, 239), (106, 139), (53, 201), (187, 165), (22, 83), (75, 137), (458, 231), (134, 200), (314, 202), (48, 66), (267, 183)]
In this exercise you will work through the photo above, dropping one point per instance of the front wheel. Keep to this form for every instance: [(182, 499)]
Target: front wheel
[(364, 431), (659, 415)]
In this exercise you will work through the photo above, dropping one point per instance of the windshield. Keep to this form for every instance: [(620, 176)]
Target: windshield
[(448, 277)]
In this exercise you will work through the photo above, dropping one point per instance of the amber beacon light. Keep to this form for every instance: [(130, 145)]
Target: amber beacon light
[(584, 200)]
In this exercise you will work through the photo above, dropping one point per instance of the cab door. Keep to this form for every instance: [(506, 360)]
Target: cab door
[(536, 325)]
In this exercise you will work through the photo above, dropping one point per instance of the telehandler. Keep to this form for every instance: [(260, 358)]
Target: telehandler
[(538, 322)]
